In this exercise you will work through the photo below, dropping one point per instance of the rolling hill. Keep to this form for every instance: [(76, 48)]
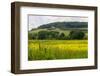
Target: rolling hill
[(64, 25)]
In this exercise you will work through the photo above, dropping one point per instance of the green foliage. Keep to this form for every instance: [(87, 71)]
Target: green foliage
[(42, 35), (55, 35), (29, 36), (62, 36), (76, 35), (32, 36), (48, 35)]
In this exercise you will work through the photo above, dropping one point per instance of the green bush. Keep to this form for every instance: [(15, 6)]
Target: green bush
[(76, 35)]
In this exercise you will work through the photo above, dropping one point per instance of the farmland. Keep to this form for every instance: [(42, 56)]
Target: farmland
[(57, 49), (58, 40)]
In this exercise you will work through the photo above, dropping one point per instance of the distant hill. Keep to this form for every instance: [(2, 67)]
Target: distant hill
[(64, 25), (59, 28)]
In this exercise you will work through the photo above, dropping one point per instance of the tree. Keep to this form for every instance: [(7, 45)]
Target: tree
[(48, 35), (42, 35), (62, 36), (54, 34), (76, 35), (32, 36)]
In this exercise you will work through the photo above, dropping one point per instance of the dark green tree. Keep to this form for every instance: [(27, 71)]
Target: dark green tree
[(32, 36), (62, 36), (42, 35), (76, 35)]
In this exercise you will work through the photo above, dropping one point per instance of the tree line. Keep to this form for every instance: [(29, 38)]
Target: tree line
[(55, 35)]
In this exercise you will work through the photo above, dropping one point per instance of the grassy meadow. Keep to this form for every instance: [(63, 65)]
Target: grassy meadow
[(57, 49)]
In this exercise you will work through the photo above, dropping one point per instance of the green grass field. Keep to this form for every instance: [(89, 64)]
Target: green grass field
[(57, 49)]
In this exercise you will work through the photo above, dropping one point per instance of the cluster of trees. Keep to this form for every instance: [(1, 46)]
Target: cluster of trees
[(51, 35)]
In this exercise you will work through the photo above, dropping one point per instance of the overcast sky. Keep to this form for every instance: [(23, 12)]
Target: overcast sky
[(37, 20)]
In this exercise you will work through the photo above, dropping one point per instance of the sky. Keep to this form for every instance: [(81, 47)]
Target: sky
[(35, 21)]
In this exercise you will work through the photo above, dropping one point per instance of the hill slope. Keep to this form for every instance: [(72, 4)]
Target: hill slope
[(64, 25)]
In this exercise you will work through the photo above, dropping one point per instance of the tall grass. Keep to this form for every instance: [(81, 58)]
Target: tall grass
[(57, 49)]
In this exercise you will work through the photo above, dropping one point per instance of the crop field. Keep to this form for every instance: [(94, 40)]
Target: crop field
[(57, 49)]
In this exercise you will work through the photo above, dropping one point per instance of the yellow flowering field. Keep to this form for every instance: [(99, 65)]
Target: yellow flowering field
[(57, 49)]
